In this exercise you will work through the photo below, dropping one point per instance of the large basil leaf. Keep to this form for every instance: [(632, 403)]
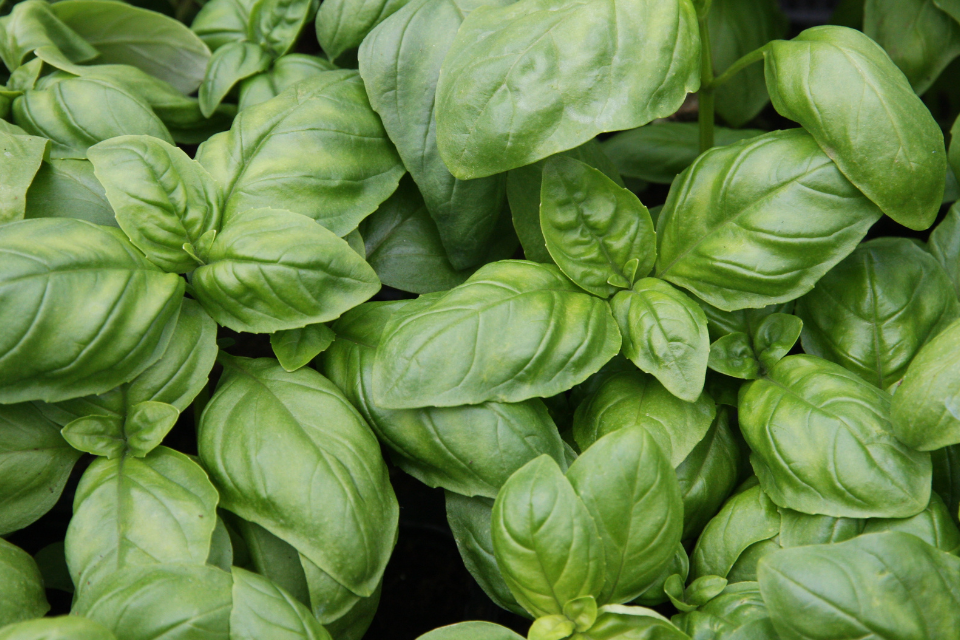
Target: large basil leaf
[(400, 64), (310, 444), (546, 543), (69, 189), (469, 520), (471, 449), (130, 512), (531, 333), (920, 38), (874, 587), (727, 231), (524, 185), (20, 158), (944, 244), (344, 166), (35, 462), (510, 95), (661, 150), (474, 630), (21, 586), (273, 270), (32, 25), (163, 200), (77, 113), (598, 233), (925, 412), (261, 609), (153, 42), (822, 443), (934, 525), (629, 488), (876, 129), (230, 64), (665, 334), (708, 475), (175, 601), (343, 25), (286, 71), (738, 27), (113, 317), (634, 398), (873, 311), (58, 628)]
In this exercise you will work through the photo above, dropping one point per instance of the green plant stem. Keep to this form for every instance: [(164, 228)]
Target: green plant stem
[(754, 56), (706, 95)]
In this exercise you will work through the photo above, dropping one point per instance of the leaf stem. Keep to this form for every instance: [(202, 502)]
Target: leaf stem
[(705, 96), (754, 56)]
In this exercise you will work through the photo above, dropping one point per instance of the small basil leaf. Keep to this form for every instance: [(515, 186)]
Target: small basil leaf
[(229, 65), (262, 609), (552, 627), (582, 611), (721, 323), (131, 512), (273, 270), (295, 348), (99, 435), (593, 227), (20, 158), (665, 334), (659, 151), (35, 462), (161, 46), (538, 353), (704, 589), (925, 411), (286, 71), (733, 355), (161, 197), (618, 621), (944, 244), (798, 529), (655, 593), (68, 188), (775, 336), (276, 24), (343, 25), (58, 628), (471, 631), (31, 25), (897, 160), (633, 398), (342, 613), (738, 612), (273, 558), (822, 443), (345, 165), (491, 117), (114, 316), (545, 540), (673, 587), (147, 424), (726, 232), (21, 586), (222, 21)]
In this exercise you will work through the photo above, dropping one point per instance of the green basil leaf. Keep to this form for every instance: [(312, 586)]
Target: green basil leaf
[(273, 558), (721, 323), (886, 585), (545, 540), (130, 512), (21, 586), (147, 424), (946, 477), (635, 398), (96, 434), (954, 155), (286, 71), (273, 270), (918, 37), (553, 627), (161, 197), (221, 21), (471, 631), (944, 244), (822, 443), (343, 25), (404, 247), (161, 46), (934, 525), (665, 334), (229, 65), (798, 529), (68, 188), (262, 609), (77, 113), (509, 96), (344, 166), (896, 160), (471, 449), (318, 445), (58, 628), (925, 411), (727, 232), (114, 315), (708, 475), (221, 547), (531, 331), (469, 520), (524, 185), (629, 487), (20, 158), (874, 311), (400, 64), (33, 24), (659, 151), (775, 336), (342, 612), (729, 615), (736, 29), (295, 348), (145, 603), (276, 24), (597, 232), (655, 594), (733, 355), (35, 463), (618, 621)]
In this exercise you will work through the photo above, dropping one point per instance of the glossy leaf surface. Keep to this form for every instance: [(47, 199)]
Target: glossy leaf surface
[(21, 586)]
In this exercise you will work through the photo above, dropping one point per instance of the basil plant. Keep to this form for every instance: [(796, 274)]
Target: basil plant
[(664, 302)]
